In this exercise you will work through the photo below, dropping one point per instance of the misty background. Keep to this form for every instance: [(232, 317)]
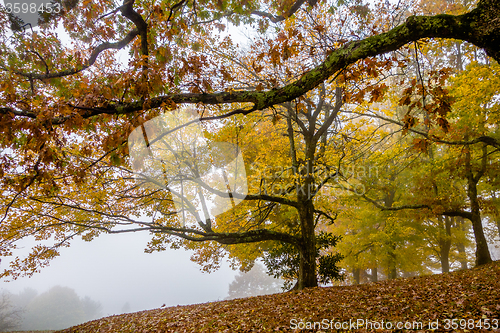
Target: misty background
[(113, 273)]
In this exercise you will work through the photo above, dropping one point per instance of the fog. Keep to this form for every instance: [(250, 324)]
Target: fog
[(114, 270)]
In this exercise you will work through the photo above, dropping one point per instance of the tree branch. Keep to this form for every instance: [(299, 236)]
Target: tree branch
[(92, 59), (466, 215), (128, 11), (488, 140), (481, 27), (279, 18), (251, 236)]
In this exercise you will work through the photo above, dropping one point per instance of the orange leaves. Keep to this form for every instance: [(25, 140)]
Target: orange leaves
[(226, 75), (193, 65), (282, 37), (421, 145), (169, 104), (377, 94), (275, 54), (257, 68), (443, 123), (276, 117), (319, 28), (409, 122), (406, 98), (431, 98)]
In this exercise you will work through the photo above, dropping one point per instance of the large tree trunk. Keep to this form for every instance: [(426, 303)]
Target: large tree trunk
[(482, 252), (445, 259), (463, 256), (356, 274), (445, 243), (374, 274), (460, 246), (307, 268), (392, 271)]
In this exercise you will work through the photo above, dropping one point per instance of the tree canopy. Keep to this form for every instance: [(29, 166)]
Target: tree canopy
[(319, 87)]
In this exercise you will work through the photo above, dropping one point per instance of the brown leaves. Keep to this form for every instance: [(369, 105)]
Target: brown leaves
[(421, 145), (409, 122), (431, 98), (169, 104), (470, 294)]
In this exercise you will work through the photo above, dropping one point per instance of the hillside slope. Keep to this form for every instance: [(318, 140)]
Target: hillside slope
[(420, 303)]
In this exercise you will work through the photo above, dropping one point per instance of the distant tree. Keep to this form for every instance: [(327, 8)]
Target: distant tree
[(253, 283), (91, 309), (125, 307), (10, 316), (58, 308), (23, 298)]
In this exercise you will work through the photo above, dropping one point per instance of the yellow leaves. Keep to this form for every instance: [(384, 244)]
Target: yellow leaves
[(475, 91), (291, 23)]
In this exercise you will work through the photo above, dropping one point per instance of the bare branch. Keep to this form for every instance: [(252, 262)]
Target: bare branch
[(279, 18), (466, 215), (484, 139), (128, 11), (88, 63)]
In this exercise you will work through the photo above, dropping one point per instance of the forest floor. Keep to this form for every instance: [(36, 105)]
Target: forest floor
[(461, 301)]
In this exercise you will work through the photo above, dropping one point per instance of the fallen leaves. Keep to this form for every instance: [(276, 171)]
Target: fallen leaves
[(470, 294)]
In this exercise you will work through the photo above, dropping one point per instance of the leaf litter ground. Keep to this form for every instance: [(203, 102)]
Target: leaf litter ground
[(470, 294)]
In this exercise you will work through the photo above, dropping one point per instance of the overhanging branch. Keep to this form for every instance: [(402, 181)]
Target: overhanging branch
[(463, 214), (481, 27)]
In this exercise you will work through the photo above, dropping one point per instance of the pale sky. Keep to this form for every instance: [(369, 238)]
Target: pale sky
[(113, 269)]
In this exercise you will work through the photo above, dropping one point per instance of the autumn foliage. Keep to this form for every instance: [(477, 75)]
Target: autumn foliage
[(380, 128)]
